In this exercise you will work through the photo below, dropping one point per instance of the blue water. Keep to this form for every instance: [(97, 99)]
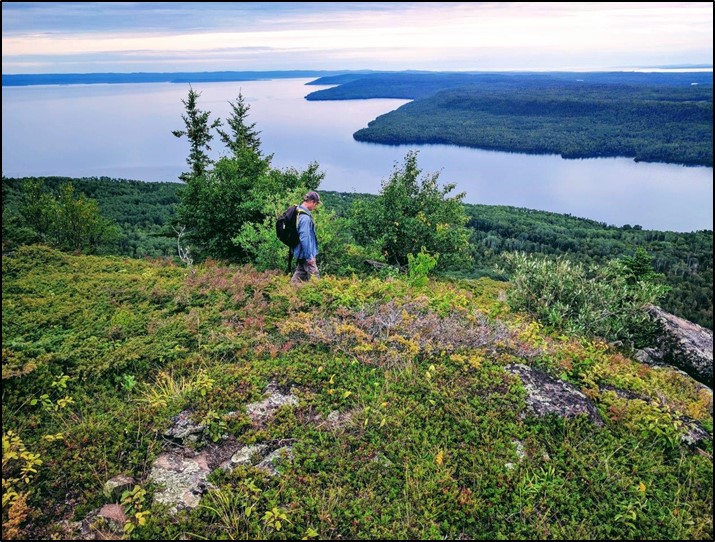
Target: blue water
[(124, 131)]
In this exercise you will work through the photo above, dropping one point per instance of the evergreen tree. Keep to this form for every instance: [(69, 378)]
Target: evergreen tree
[(215, 205), (639, 268), (242, 134), (198, 132), (218, 201)]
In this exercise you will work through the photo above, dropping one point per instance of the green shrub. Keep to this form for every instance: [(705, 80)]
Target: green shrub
[(411, 212), (406, 425), (603, 301), (419, 267)]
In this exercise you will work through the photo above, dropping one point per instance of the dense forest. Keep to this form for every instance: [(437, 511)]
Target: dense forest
[(648, 117), (417, 85), (143, 213), (651, 125)]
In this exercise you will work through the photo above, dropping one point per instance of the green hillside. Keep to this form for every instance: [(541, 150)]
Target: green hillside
[(403, 415), (143, 212)]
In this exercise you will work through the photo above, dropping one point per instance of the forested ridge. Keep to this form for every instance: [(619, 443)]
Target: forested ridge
[(143, 212), (415, 85), (647, 117), (653, 125), (30, 79)]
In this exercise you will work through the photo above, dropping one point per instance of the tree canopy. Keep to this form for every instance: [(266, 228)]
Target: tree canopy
[(411, 213)]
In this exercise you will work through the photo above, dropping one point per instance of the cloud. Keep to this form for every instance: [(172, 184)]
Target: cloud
[(375, 35)]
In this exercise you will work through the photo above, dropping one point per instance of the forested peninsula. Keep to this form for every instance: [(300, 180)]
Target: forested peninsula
[(651, 117)]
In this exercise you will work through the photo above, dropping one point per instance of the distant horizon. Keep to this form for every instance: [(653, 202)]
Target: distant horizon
[(684, 67), (169, 37)]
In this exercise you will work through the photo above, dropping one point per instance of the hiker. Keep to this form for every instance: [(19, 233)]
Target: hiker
[(307, 249)]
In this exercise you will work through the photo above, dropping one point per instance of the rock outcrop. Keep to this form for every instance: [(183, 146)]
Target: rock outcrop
[(183, 429), (114, 487), (692, 432), (181, 480), (548, 395), (261, 411), (683, 344), (182, 473)]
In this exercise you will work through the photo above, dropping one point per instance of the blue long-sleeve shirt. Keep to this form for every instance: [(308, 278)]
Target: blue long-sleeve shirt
[(307, 249)]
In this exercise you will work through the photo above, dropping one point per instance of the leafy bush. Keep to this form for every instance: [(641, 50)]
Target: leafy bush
[(603, 301), (419, 267), (64, 220), (411, 213), (338, 254)]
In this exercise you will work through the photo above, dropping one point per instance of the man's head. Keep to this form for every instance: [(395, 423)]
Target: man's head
[(311, 200)]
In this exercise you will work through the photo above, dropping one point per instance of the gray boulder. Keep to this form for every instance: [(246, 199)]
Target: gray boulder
[(245, 456), (183, 429), (261, 411), (548, 395), (115, 516), (181, 480), (683, 344)]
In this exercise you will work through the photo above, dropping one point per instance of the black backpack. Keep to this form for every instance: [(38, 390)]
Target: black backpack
[(287, 230), (286, 227)]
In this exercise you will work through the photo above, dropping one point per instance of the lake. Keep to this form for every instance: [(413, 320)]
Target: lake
[(124, 131)]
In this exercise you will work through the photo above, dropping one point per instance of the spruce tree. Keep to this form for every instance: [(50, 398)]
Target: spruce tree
[(242, 134), (198, 132)]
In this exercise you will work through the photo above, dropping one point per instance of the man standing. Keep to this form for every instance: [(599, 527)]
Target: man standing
[(307, 249)]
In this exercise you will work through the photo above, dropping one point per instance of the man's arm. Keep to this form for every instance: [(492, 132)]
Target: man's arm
[(307, 245)]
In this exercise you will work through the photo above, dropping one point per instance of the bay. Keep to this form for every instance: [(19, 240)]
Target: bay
[(124, 131)]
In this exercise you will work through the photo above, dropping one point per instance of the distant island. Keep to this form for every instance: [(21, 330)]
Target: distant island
[(679, 67), (650, 117)]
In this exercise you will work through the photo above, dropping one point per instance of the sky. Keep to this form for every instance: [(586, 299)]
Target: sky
[(96, 37)]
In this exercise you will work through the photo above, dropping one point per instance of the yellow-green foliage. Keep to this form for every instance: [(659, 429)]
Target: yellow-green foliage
[(19, 467), (407, 424)]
